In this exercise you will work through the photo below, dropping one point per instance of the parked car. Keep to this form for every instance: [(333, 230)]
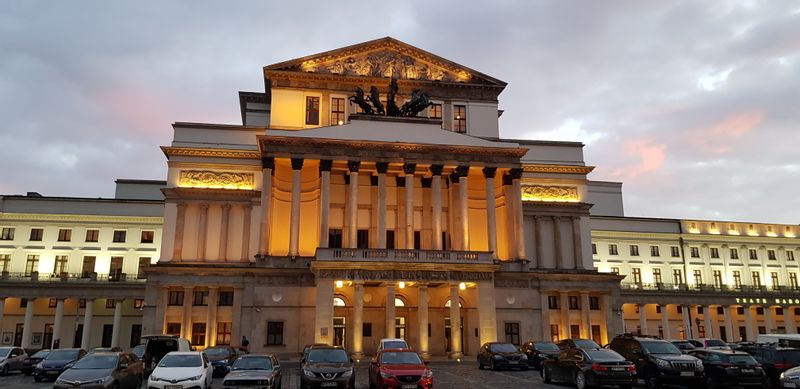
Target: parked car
[(11, 358), (139, 351), (307, 348), (400, 368), (327, 366), (185, 369), (726, 368), (56, 362), (790, 378), (658, 361), (392, 343), (587, 344), (106, 370), (593, 367), (253, 370), (711, 344), (29, 365), (684, 345), (105, 350), (537, 352), (496, 355), (157, 346), (221, 358), (773, 359)]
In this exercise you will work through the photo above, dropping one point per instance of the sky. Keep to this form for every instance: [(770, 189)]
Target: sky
[(693, 105)]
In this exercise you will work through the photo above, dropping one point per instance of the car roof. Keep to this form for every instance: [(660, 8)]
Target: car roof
[(726, 352), (398, 350), (329, 347), (257, 356), (184, 353)]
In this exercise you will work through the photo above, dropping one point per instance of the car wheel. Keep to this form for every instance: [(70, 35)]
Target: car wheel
[(114, 385), (5, 370), (37, 378), (580, 380), (546, 375), (651, 380), (492, 365)]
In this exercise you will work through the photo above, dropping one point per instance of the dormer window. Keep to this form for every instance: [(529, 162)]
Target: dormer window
[(460, 118), (312, 110)]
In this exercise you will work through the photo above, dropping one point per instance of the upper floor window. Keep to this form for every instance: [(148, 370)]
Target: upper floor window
[(200, 298), (147, 236), (753, 254), (552, 302), (756, 278), (714, 252), (337, 111), (612, 249), (7, 233), (695, 252), (737, 279), (36, 234), (654, 251), (5, 262), (574, 303), (634, 250), (734, 254), (225, 298), (790, 255), (675, 251), (594, 303), (637, 275), (119, 236), (175, 297), (31, 265), (594, 248), (92, 235), (435, 111), (312, 110), (460, 118), (771, 255), (677, 276), (615, 270), (64, 235), (657, 276)]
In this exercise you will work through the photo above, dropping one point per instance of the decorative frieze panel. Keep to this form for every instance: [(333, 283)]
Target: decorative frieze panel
[(385, 63), (550, 193), (217, 180), (403, 275)]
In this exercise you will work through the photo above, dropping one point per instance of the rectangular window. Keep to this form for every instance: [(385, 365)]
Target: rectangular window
[(790, 255), (634, 250), (64, 235), (698, 277), (147, 236), (771, 255), (110, 303), (198, 334), (460, 118), (224, 329), (654, 251), (657, 276), (175, 297), (734, 253), (615, 270), (594, 303), (335, 238), (52, 303), (92, 235), (60, 264), (115, 268), (144, 263), (753, 254), (637, 275), (174, 329), (274, 333), (552, 302), (554, 334), (5, 262), (362, 239), (675, 251), (36, 234), (737, 279), (7, 233), (390, 239), (200, 298), (679, 309), (337, 111), (225, 298), (512, 333), (31, 265), (88, 266), (714, 252), (23, 303), (435, 111), (717, 279), (695, 252), (138, 303), (793, 280), (312, 110), (677, 276), (366, 330), (612, 249), (574, 303), (119, 236), (594, 248), (417, 240), (775, 282), (756, 279)]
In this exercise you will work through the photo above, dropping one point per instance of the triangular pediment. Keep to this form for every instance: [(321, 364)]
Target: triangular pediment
[(388, 58)]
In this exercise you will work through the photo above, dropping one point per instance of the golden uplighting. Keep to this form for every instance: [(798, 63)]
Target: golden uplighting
[(216, 180), (462, 286), (402, 285), (567, 194), (339, 283)]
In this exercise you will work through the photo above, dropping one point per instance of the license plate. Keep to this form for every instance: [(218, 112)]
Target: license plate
[(687, 374), (409, 386), (328, 384), (513, 362), (173, 387), (618, 368), (789, 385), (52, 372)]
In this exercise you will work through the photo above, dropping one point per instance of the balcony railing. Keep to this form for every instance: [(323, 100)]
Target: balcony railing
[(706, 288), (402, 255), (68, 277)]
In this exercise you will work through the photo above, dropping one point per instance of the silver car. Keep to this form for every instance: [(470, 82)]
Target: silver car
[(254, 371), (11, 358), (790, 378)]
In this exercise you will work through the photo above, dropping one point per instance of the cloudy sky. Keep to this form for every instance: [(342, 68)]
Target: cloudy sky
[(695, 106)]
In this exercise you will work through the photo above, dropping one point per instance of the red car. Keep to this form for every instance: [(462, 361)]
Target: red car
[(402, 369)]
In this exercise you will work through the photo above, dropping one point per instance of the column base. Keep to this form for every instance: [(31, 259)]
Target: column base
[(425, 355), (357, 355), (456, 355)]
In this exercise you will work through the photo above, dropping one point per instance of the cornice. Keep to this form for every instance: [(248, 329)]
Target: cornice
[(565, 169), (44, 217), (199, 194), (209, 153)]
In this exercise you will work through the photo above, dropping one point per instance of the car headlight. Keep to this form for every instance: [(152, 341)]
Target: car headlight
[(39, 366), (386, 375), (781, 376), (309, 373), (195, 378), (497, 356), (98, 381), (524, 356), (699, 365), (155, 378), (347, 373), (662, 363), (428, 374)]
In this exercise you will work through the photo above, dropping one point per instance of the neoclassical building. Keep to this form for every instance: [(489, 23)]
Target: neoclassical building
[(316, 222)]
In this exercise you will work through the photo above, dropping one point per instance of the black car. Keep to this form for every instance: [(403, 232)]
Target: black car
[(56, 362), (727, 368), (327, 367), (29, 364), (537, 352), (684, 345), (307, 348), (587, 344), (253, 370), (586, 368), (658, 361), (221, 357), (774, 360), (496, 355), (103, 370)]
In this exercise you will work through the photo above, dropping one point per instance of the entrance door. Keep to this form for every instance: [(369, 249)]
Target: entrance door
[(400, 327), (108, 330), (338, 331), (447, 334), (78, 336), (18, 335), (47, 336)]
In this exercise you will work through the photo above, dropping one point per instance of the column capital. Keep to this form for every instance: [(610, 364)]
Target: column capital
[(268, 163), (226, 206), (409, 168), (353, 166), (297, 163), (325, 165), (203, 206), (462, 171), (436, 170), (382, 167), (489, 172), (515, 173), (181, 205), (187, 289)]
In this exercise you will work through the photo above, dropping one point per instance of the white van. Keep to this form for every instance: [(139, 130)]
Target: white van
[(157, 346), (784, 340)]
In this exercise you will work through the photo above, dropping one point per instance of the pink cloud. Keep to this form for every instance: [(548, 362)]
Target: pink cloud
[(738, 124), (649, 157), (721, 137)]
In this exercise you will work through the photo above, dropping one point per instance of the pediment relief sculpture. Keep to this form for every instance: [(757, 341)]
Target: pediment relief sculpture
[(550, 193), (212, 179), (385, 63)]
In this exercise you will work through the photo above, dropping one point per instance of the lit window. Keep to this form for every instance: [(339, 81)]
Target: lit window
[(435, 111), (338, 302), (612, 249), (7, 233), (460, 118), (147, 236), (312, 110), (337, 111)]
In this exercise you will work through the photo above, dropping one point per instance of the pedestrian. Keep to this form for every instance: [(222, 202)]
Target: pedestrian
[(245, 345)]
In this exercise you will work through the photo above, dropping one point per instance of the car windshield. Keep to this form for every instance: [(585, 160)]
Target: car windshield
[(715, 343), (547, 346), (789, 357), (683, 345), (138, 350), (586, 343), (604, 355), (660, 348), (400, 358), (40, 354), (216, 352), (503, 348), (742, 359), (252, 363), (58, 355), (4, 351), (181, 360), (97, 362), (327, 355), (394, 344)]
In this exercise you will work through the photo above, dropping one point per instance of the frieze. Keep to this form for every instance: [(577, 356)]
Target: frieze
[(567, 169), (549, 193), (408, 275), (511, 283), (211, 153), (385, 63), (211, 179)]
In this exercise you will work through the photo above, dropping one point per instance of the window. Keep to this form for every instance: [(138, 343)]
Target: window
[(679, 309), (52, 303), (790, 255), (714, 252), (119, 236), (115, 268), (594, 303), (717, 279), (756, 279), (337, 111), (634, 250), (5, 262), (698, 277), (225, 298), (637, 275), (92, 235), (417, 240), (366, 330), (335, 238), (60, 264), (775, 282), (554, 332), (88, 266), (657, 276), (654, 251), (552, 302), (460, 118), (274, 333), (612, 249), (753, 254), (737, 279), (362, 241), (7, 233), (200, 298), (110, 303), (677, 276), (740, 310), (390, 239), (594, 248), (615, 270), (695, 252), (771, 255), (435, 111), (675, 251), (574, 303), (198, 334), (23, 303), (64, 235), (734, 253), (31, 265), (312, 110), (144, 263), (174, 329), (512, 333), (224, 333), (658, 310), (175, 297), (793, 280), (779, 311), (36, 234), (138, 303), (81, 303), (147, 236)]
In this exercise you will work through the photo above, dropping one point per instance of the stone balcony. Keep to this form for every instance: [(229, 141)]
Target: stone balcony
[(405, 255), (8, 277)]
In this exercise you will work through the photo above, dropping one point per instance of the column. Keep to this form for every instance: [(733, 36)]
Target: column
[(455, 323), (577, 246), (516, 184), (586, 326), (537, 221), (358, 320), (566, 332), (88, 313), (211, 316), (487, 312), (729, 324), (180, 221), (2, 308), (323, 318), (748, 320), (788, 320), (186, 326), (665, 321), (202, 230), (545, 303), (223, 231), (462, 172), (768, 319), (382, 167), (160, 319), (409, 169), (557, 242), (422, 317), (491, 212), (390, 311), (27, 326), (436, 204), (643, 319), (117, 322), (687, 324), (710, 330), (324, 200), (268, 166), (247, 210), (294, 219), (352, 205), (57, 324)]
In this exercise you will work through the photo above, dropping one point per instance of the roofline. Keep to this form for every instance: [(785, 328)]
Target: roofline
[(76, 199), (217, 126), (536, 142), (138, 181), (679, 220)]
